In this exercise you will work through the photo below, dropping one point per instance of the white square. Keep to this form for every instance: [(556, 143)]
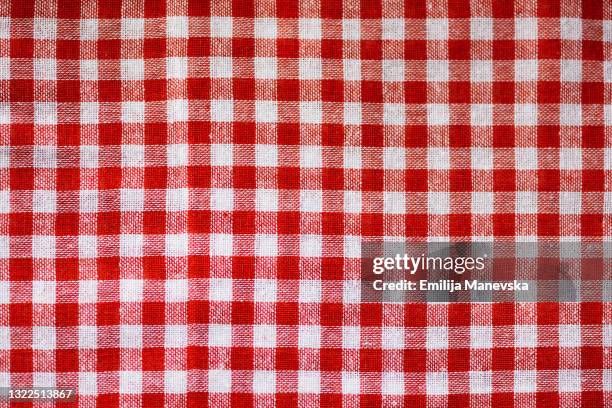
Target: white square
[(266, 200), (392, 28), (352, 247), (88, 201), (220, 289), (352, 113), (437, 114), (178, 110), (89, 114), (526, 70), (570, 335), (437, 383), (177, 199), (351, 292), (176, 68), (131, 244), (43, 338), (132, 69), (310, 28), (5, 202), (481, 382), (177, 155), (5, 28), (219, 381), (311, 68), (130, 336), (352, 157), (89, 70), (437, 338), (43, 379), (266, 244), (88, 337), (44, 68), (175, 336), (352, 69), (526, 28), (438, 158), (570, 202), (311, 201), (5, 253), (43, 247), (132, 199), (221, 27), (526, 158), (130, 290), (177, 290), (570, 381), (220, 67), (45, 113), (525, 381), (265, 112), (5, 119), (310, 291), (264, 290), (5, 287), (177, 244), (482, 203), (5, 338), (309, 382), (394, 114), (394, 158), (88, 384), (607, 71), (45, 156), (177, 26), (607, 30), (570, 114), (481, 28), (264, 335), (311, 112), (393, 338), (571, 28), (351, 29), (132, 112), (392, 383), (608, 115), (132, 28), (265, 28), (351, 337), (89, 29), (607, 379), (437, 71), (311, 245), (175, 382), (525, 114), (132, 156), (350, 383), (481, 114), (571, 70), (265, 68), (45, 28), (222, 199), (221, 154), (311, 157), (220, 335), (525, 335), (43, 201), (526, 202), (437, 28), (130, 382), (393, 70), (481, 337), (607, 158), (352, 202), (221, 111), (481, 71), (264, 382), (88, 246), (394, 203), (482, 158), (570, 158), (221, 245), (438, 202), (43, 292)]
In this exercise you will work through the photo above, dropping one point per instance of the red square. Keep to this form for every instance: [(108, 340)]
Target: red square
[(110, 178), (154, 222), (547, 358), (549, 91), (109, 9), (289, 178), (108, 359), (416, 225), (549, 49), (503, 49), (20, 269), (68, 134), (332, 223), (21, 8), (288, 133), (548, 225), (503, 136), (332, 179), (549, 180), (243, 312), (198, 47), (593, 136), (416, 180), (371, 91), (243, 47), (415, 360), (593, 180), (459, 49), (155, 89), (416, 136), (244, 89), (548, 136), (371, 315), (107, 314), (288, 222), (331, 359), (287, 358), (288, 48), (460, 225), (371, 8), (504, 180), (332, 90), (67, 360), (157, 8), (108, 268), (153, 359), (371, 49), (109, 91), (109, 134), (199, 176), (243, 267), (502, 359), (372, 180), (503, 92), (197, 358), (332, 268), (153, 313), (22, 134), (198, 311), (459, 92), (68, 49), (155, 177), (415, 49), (331, 9), (22, 90), (504, 225), (109, 223), (242, 8), (458, 9), (332, 135), (288, 9), (20, 314), (20, 224), (372, 224), (21, 360), (244, 132), (155, 48), (460, 180), (155, 133), (109, 49), (67, 269), (591, 313), (241, 358), (460, 136), (288, 90), (331, 49), (370, 360), (549, 8), (67, 224), (592, 92), (503, 9), (154, 267), (592, 50), (288, 267), (22, 48), (199, 222), (331, 314), (244, 177), (591, 225), (199, 132), (372, 136), (591, 357), (459, 359), (415, 92), (287, 313)]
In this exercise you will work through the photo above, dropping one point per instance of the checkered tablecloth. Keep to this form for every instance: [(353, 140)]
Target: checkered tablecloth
[(185, 186)]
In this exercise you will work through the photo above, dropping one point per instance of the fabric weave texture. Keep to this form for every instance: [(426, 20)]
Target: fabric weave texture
[(185, 186)]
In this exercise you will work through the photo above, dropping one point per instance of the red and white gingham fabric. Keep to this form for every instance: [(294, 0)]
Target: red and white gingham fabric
[(185, 186)]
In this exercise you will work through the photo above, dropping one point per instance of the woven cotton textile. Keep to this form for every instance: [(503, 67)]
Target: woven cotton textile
[(185, 186)]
